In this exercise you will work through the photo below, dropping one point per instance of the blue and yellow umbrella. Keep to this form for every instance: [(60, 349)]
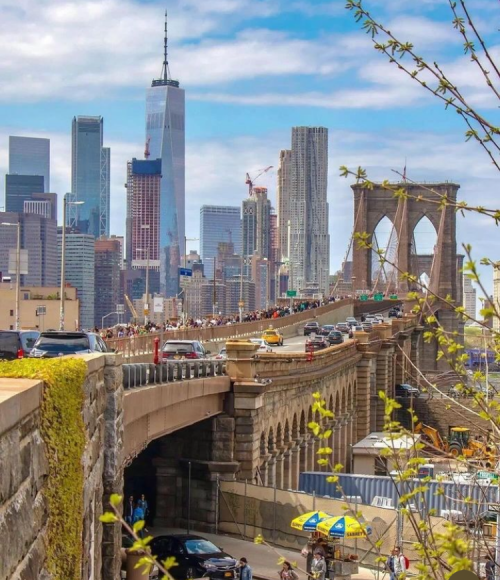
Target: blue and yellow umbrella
[(344, 527), (308, 522)]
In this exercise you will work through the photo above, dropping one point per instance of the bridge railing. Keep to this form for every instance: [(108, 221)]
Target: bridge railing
[(147, 374), (145, 343)]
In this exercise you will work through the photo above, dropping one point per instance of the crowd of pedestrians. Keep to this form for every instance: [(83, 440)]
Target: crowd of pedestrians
[(129, 330)]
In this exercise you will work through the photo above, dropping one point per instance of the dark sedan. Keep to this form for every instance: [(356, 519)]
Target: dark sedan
[(326, 329), (195, 556), (335, 337), (317, 343)]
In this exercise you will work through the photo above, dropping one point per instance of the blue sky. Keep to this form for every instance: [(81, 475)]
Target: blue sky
[(252, 69)]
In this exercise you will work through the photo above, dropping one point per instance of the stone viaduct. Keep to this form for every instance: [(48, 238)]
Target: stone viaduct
[(185, 436)]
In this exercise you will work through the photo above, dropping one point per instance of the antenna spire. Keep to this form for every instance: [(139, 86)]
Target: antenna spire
[(165, 73)]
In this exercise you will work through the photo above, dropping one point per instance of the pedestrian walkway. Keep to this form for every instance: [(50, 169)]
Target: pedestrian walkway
[(262, 559)]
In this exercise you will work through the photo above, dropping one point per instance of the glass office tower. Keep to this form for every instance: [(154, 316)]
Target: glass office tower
[(90, 176), (30, 156), (165, 132), (218, 223)]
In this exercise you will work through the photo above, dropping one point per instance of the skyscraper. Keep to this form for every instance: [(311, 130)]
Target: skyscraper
[(80, 273), (165, 133), (107, 272), (145, 187), (256, 231), (469, 298), (90, 175), (218, 223), (302, 199), (20, 188), (30, 156), (39, 238)]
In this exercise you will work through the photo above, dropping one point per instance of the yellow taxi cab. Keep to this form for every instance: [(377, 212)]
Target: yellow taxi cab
[(271, 336)]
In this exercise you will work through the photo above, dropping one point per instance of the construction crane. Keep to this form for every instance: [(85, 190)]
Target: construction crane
[(133, 311), (250, 181)]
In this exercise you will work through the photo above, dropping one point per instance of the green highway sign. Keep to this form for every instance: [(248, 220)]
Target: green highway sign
[(363, 297), (378, 297), (291, 293), (393, 296)]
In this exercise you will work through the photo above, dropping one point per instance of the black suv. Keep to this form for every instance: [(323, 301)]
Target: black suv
[(17, 343), (195, 556), (310, 328), (59, 343)]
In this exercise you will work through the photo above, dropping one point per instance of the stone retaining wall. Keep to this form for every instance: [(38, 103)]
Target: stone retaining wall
[(24, 468)]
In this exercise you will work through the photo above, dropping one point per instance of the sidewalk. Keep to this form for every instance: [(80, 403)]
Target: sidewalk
[(262, 559)]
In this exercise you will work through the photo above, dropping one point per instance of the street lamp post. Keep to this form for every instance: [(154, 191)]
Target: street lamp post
[(63, 260), (18, 269), (104, 318)]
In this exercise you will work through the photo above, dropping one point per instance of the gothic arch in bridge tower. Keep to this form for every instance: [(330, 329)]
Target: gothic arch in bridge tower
[(422, 200)]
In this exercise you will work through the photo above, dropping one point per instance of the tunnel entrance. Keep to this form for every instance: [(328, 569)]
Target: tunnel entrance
[(179, 473)]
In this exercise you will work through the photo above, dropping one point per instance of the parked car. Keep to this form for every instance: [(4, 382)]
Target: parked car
[(52, 344), (183, 349), (335, 337), (343, 327), (17, 343), (351, 321), (263, 346), (128, 542), (196, 557), (271, 336), (316, 343), (406, 390), (326, 329), (311, 328)]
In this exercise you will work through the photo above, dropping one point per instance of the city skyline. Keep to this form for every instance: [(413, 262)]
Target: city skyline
[(376, 128)]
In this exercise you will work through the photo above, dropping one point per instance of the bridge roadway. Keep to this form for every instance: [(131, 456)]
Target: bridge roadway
[(251, 424)]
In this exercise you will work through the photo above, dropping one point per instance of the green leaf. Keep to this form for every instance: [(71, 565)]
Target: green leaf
[(108, 518)]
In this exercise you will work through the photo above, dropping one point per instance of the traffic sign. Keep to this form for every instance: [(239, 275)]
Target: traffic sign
[(486, 475), (393, 296), (363, 297), (291, 293), (378, 297), (158, 304), (241, 304), (120, 308)]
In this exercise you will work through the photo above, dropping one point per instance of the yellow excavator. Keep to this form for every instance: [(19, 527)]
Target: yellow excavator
[(459, 442)]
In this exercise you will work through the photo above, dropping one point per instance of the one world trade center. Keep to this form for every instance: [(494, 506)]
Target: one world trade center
[(165, 132)]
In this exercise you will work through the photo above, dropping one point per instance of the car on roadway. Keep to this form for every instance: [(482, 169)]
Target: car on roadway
[(406, 390), (393, 313), (357, 328), (16, 344), (343, 327), (183, 350), (326, 329), (367, 326), (56, 343), (271, 336), (222, 354), (351, 321), (263, 346), (195, 556), (311, 328), (335, 337), (379, 317), (316, 343)]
